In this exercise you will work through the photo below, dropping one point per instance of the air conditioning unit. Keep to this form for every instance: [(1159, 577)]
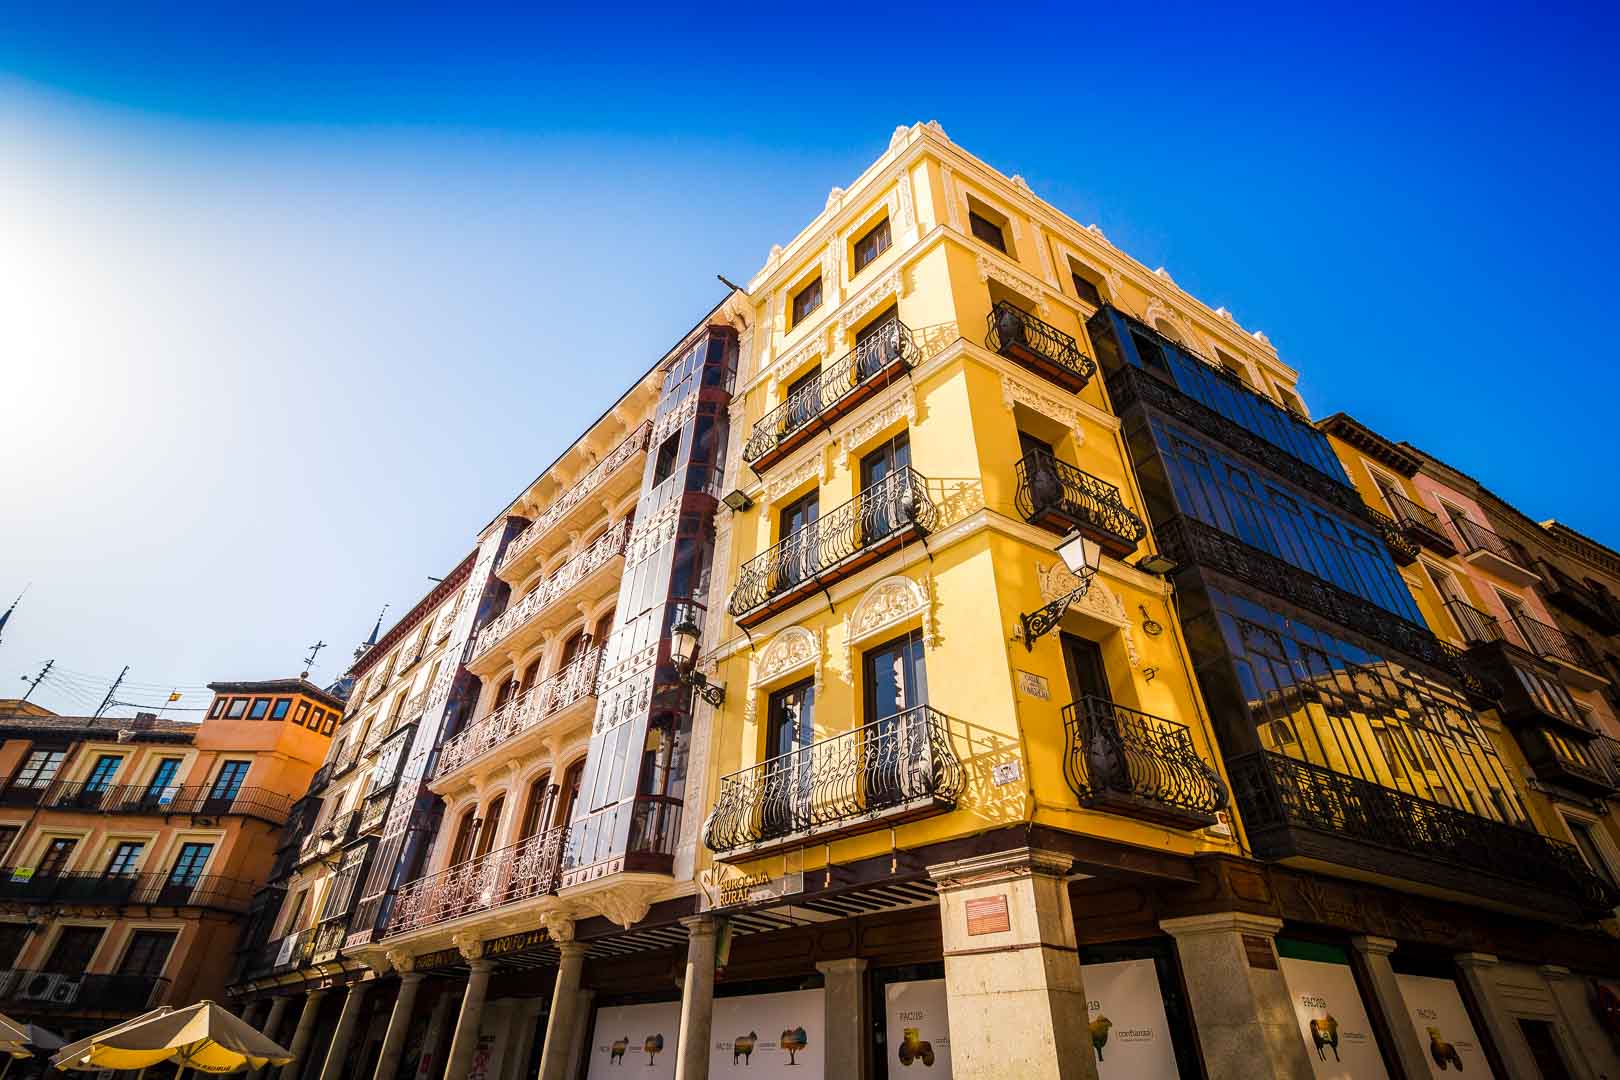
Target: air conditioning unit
[(41, 986), (67, 989)]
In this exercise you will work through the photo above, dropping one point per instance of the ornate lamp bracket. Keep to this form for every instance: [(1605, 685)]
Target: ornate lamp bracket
[(1044, 619)]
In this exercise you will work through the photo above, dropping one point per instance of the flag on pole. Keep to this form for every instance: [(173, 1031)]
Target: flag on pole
[(174, 695)]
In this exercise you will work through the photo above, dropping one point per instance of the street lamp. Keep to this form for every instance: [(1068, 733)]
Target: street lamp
[(683, 649), (1083, 557)]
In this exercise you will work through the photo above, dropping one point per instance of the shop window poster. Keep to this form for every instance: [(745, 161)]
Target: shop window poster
[(1441, 1020), (770, 1035), (1130, 1034), (635, 1040), (918, 1026), (1332, 1020)]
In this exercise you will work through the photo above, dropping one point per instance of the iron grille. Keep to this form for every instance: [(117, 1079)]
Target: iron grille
[(1017, 333), (527, 869), (1049, 487), (1135, 763), (888, 767)]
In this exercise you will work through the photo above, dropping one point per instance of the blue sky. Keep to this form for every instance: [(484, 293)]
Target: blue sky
[(292, 303)]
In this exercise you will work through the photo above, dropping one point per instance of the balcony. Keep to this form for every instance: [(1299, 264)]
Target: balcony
[(1477, 627), (506, 727), (1587, 601), (373, 812), (863, 530), (28, 991), (524, 871), (1296, 810), (24, 794), (1126, 762), (317, 783), (609, 479), (1058, 496), (874, 777), (328, 939), (199, 800), (871, 365), (1494, 553), (1402, 548), (1038, 346), (20, 885), (1571, 656), (330, 837), (1582, 765), (1421, 524), (583, 567)]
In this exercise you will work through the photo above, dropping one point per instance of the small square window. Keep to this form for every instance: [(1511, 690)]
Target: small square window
[(238, 708), (301, 714), (873, 244), (219, 707), (280, 711), (1086, 290), (329, 723), (261, 709), (806, 300), (988, 231)]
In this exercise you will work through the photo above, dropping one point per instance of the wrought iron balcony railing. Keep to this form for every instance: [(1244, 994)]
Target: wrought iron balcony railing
[(527, 869), (1476, 537), (373, 813), (1478, 684), (873, 364), (844, 539), (633, 444), (1060, 496), (1551, 643), (199, 799), (1132, 763), (892, 769), (23, 885), (1477, 627), (1039, 346), (1402, 548), (26, 990), (294, 950), (1422, 523), (1388, 831), (573, 683), (609, 546), (1586, 600)]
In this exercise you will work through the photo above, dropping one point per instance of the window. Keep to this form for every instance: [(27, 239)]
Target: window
[(39, 769), (537, 813), (1291, 401), (806, 300), (55, 858), (124, 858), (328, 722), (570, 792), (1582, 832), (229, 781), (237, 709), (295, 912), (189, 866), (280, 711), (303, 711), (74, 949), (100, 776), (219, 707), (491, 826), (668, 451), (873, 244), (1086, 289), (8, 835), (261, 709), (13, 936), (466, 837), (987, 231), (162, 788), (147, 953)]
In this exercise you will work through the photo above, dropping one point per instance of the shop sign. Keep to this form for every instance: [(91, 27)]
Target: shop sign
[(515, 943), (1441, 1021), (725, 887), (1332, 1020), (919, 1029), (285, 951), (443, 958)]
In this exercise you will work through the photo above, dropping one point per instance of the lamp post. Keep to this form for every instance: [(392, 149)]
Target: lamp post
[(683, 648), (1083, 557)]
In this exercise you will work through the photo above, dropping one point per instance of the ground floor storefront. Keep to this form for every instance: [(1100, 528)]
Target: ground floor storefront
[(1011, 962)]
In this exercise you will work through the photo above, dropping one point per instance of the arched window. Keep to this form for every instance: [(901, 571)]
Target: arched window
[(504, 694), (571, 648), (531, 674), (466, 833), (604, 627), (569, 795), (537, 813), (492, 826)]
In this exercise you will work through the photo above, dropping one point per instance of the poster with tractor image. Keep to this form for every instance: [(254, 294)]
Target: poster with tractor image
[(635, 1041), (1130, 1035), (1450, 1044), (1332, 1017), (770, 1036), (917, 1030)]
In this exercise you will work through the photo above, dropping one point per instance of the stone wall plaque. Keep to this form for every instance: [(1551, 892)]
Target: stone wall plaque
[(988, 915), (1258, 950)]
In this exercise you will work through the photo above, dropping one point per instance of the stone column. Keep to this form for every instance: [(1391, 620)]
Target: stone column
[(565, 1013), (1246, 1023), (1012, 968), (270, 1027), (465, 1040), (1478, 971), (252, 1013), (847, 1018), (580, 1044), (1408, 1049), (337, 1054), (399, 1025), (697, 999), (303, 1036)]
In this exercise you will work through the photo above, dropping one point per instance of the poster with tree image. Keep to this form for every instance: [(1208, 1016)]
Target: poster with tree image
[(770, 1035), (1332, 1018), (635, 1040), (918, 1030), (1130, 1034), (1443, 1028)]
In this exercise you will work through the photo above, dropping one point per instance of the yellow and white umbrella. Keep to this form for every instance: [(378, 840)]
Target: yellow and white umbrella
[(203, 1036), (13, 1037)]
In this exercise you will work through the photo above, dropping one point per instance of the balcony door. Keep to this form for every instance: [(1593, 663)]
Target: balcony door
[(74, 949), (1088, 675), (803, 401), (186, 872), (160, 790), (796, 525), (55, 858), (883, 472), (894, 747), (789, 730), (228, 784)]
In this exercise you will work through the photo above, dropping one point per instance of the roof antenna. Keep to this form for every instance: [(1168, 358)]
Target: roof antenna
[(309, 661)]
